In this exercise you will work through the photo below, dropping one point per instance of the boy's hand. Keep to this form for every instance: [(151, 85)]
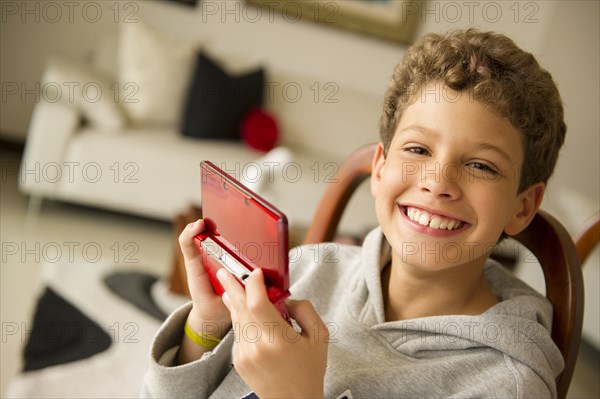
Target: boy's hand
[(208, 315), (272, 358)]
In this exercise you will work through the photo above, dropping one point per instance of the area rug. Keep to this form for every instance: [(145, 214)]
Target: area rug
[(91, 332)]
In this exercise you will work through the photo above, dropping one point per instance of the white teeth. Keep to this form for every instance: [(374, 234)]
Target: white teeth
[(433, 221)]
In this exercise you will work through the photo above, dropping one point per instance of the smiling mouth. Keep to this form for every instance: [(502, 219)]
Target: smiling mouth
[(432, 220)]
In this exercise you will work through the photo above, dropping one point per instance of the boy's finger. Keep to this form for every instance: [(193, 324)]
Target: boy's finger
[(186, 239), (235, 292), (308, 319), (257, 299)]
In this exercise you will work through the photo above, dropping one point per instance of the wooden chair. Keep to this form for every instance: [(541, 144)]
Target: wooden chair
[(545, 237), (587, 237)]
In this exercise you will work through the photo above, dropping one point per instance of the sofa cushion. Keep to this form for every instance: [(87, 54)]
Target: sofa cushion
[(217, 102), (154, 72), (77, 85), (150, 171)]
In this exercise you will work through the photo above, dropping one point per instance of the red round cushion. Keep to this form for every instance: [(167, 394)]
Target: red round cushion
[(259, 130)]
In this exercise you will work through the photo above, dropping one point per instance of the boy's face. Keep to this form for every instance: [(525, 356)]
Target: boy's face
[(448, 186)]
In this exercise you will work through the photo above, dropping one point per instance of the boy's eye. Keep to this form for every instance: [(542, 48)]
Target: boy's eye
[(483, 167), (418, 150)]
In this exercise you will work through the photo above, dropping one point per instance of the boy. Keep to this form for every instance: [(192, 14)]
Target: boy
[(470, 131)]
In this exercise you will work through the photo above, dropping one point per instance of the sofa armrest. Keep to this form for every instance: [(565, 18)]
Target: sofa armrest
[(52, 125)]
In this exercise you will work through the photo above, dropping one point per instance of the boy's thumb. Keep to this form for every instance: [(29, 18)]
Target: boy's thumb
[(308, 319)]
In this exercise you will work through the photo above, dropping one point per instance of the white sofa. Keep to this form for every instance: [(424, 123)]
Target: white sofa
[(153, 170)]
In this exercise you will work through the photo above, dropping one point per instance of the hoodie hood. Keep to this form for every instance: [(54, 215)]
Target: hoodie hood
[(518, 326)]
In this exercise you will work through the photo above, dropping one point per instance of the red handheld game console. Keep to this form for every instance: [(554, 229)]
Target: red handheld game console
[(243, 231)]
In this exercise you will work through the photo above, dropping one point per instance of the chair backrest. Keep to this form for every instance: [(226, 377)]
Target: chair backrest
[(552, 245), (545, 237)]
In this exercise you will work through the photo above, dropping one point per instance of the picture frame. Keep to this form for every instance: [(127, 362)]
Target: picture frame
[(393, 20), (189, 3)]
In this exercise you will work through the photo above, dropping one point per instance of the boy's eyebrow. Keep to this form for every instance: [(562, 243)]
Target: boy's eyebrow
[(480, 146), (420, 129), (498, 150)]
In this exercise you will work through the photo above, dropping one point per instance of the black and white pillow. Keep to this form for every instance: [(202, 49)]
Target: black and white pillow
[(217, 101)]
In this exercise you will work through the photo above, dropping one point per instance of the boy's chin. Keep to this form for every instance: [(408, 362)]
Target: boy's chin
[(441, 258)]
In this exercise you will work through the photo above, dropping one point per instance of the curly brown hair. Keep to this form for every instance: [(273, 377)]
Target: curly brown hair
[(495, 72)]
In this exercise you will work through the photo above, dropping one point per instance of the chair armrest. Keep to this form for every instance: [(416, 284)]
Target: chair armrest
[(52, 125)]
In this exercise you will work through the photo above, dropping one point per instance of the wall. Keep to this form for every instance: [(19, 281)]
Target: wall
[(31, 32), (26, 42), (563, 35), (570, 51)]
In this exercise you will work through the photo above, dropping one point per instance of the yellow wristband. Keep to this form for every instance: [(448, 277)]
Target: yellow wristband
[(204, 340)]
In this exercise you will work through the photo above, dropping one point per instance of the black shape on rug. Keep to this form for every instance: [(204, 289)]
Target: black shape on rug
[(61, 334), (135, 288)]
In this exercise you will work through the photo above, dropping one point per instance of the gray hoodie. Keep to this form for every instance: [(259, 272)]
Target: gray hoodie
[(505, 352)]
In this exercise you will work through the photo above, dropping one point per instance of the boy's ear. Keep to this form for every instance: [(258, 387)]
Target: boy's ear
[(528, 202), (376, 167)]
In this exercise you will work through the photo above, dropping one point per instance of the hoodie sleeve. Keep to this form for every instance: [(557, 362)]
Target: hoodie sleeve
[(196, 379)]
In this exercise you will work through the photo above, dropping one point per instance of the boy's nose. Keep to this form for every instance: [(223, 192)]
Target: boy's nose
[(439, 181)]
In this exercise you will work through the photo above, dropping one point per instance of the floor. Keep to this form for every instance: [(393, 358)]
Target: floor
[(63, 232)]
